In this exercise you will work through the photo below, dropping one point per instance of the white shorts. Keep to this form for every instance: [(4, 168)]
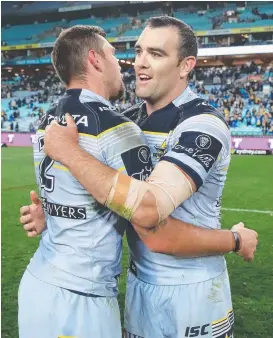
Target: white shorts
[(47, 311), (195, 310)]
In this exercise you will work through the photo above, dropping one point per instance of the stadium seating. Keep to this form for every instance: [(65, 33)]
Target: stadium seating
[(133, 32), (257, 23), (34, 7), (126, 26), (27, 34), (38, 6), (240, 127), (24, 34)]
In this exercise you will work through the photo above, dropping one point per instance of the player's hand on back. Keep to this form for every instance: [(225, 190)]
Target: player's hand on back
[(249, 241), (59, 141), (33, 217)]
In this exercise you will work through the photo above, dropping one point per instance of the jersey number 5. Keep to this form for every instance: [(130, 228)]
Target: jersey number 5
[(47, 181)]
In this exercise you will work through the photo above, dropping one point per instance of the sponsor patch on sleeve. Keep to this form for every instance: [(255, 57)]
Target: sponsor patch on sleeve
[(138, 162), (201, 147)]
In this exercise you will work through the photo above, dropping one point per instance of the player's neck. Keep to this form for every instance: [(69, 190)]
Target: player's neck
[(164, 101), (96, 87)]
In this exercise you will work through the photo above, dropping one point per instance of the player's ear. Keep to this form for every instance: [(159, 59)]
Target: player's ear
[(95, 60), (186, 66)]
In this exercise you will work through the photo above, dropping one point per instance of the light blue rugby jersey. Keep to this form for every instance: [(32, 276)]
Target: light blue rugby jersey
[(81, 248), (194, 136)]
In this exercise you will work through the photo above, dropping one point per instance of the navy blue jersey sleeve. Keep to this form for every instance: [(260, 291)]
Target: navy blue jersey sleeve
[(198, 143)]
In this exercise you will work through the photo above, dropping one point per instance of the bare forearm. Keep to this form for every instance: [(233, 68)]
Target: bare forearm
[(183, 239), (143, 203), (173, 237), (97, 179), (94, 176)]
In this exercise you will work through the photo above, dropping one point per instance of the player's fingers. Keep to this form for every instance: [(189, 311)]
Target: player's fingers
[(54, 123), (245, 255), (28, 226), (24, 210), (240, 225), (70, 121), (25, 219), (32, 233), (35, 198), (250, 257)]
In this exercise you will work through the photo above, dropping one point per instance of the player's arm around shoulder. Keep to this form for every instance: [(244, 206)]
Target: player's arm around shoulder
[(62, 145), (178, 238), (146, 204), (198, 144)]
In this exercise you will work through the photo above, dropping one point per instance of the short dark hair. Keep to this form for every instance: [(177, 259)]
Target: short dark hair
[(188, 41), (71, 48)]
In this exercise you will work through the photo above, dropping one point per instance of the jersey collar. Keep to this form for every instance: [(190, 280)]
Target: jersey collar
[(187, 96), (86, 95)]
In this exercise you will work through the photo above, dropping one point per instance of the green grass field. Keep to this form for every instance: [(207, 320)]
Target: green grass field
[(249, 186)]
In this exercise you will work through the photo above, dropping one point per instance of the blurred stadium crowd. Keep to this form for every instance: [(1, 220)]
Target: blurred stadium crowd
[(243, 94), (125, 20)]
